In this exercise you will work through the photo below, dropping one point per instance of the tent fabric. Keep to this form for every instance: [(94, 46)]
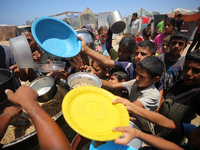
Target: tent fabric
[(143, 12), (7, 32)]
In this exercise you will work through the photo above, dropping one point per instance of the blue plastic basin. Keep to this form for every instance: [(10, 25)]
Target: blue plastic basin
[(56, 37)]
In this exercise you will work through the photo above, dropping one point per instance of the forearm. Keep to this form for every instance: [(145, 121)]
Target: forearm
[(153, 117), (46, 128), (158, 142), (4, 123), (111, 86), (100, 58)]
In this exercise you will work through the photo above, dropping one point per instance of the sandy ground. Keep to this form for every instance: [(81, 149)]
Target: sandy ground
[(115, 43)]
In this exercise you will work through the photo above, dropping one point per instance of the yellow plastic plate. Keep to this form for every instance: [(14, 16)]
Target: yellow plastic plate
[(90, 112)]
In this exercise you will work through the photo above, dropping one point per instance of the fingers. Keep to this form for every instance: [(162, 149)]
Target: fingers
[(8, 92), (80, 38)]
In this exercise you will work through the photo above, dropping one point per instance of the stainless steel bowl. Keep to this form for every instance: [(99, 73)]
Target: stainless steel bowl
[(83, 77), (45, 87), (116, 23), (88, 36)]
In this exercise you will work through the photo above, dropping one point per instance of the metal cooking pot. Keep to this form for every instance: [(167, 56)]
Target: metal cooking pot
[(45, 87), (83, 77), (88, 36), (6, 82), (116, 23)]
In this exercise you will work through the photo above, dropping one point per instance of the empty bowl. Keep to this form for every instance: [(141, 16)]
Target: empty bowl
[(21, 51), (56, 37), (50, 66)]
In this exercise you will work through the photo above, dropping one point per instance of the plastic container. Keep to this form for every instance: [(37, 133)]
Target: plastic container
[(56, 37), (50, 66), (22, 52)]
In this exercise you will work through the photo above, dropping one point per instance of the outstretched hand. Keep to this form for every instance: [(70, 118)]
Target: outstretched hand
[(128, 134), (78, 63), (127, 103), (84, 46)]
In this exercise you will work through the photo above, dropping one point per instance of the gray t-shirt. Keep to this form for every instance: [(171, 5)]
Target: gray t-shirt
[(149, 97)]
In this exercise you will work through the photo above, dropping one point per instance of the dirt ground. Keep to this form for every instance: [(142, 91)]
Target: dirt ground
[(115, 43)]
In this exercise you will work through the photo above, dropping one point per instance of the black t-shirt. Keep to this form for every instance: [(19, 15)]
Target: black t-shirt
[(186, 95)]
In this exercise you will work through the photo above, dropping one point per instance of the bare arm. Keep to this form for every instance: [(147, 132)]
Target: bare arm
[(6, 117), (155, 141), (50, 135), (111, 86), (107, 62), (150, 115)]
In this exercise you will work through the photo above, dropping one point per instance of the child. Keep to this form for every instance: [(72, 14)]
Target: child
[(169, 26), (118, 77), (142, 90), (182, 100), (146, 33), (165, 44), (172, 60)]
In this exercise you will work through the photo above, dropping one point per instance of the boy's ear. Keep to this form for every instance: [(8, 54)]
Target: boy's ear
[(155, 79)]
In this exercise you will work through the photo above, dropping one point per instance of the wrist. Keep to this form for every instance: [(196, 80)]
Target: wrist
[(7, 114)]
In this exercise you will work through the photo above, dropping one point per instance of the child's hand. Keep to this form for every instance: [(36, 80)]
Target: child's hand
[(57, 75), (128, 134), (127, 103), (84, 46), (78, 63)]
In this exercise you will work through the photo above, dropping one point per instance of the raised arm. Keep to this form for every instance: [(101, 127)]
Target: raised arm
[(96, 56), (50, 135), (149, 115)]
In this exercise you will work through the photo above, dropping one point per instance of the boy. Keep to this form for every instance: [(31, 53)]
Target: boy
[(142, 91), (173, 60), (143, 49), (118, 77), (182, 101)]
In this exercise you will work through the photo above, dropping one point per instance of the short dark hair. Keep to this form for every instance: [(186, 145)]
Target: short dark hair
[(128, 43), (193, 56), (179, 15), (180, 36), (26, 29), (171, 20), (120, 75), (149, 44), (135, 14), (153, 66)]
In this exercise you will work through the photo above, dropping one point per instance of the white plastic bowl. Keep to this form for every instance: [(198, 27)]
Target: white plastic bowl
[(22, 52)]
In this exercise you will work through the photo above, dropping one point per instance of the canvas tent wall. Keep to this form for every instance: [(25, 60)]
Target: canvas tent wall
[(7, 32)]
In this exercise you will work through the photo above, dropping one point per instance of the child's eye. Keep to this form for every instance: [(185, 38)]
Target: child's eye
[(195, 70)]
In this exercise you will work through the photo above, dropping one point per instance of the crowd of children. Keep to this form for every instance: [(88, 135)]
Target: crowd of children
[(159, 87)]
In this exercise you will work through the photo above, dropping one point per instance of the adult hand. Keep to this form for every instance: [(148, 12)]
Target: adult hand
[(128, 134), (24, 96), (12, 109), (84, 46), (127, 103)]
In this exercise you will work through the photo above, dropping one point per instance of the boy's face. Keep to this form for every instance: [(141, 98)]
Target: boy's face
[(113, 79), (143, 79), (191, 73), (123, 53), (31, 41), (177, 45), (165, 47), (141, 53)]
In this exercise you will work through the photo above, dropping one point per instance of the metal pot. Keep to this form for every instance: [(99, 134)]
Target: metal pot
[(88, 36), (6, 82), (45, 87), (83, 77), (116, 23)]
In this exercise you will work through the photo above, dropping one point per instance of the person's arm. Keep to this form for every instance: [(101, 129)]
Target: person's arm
[(111, 86), (8, 114), (139, 27), (50, 135), (129, 133), (96, 56), (149, 115)]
